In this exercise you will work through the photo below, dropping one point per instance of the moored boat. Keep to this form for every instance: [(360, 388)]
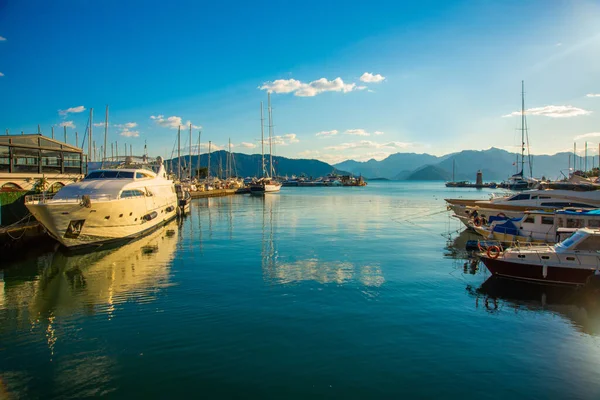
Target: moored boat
[(573, 261), (107, 205)]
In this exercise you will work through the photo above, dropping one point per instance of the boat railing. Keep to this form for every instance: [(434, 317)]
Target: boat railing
[(39, 198), (43, 198)]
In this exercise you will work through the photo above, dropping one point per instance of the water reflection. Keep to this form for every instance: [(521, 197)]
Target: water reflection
[(60, 284), (286, 269), (580, 306)]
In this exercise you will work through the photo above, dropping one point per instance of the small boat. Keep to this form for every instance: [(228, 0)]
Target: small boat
[(574, 261), (264, 185), (107, 205)]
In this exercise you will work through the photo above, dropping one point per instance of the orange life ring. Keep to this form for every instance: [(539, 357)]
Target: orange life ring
[(477, 222), (493, 252)]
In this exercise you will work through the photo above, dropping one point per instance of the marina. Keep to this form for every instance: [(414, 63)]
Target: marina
[(414, 211), (389, 292)]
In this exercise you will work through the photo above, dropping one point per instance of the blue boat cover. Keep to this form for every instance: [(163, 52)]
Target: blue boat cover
[(589, 212), (496, 218), (507, 227)]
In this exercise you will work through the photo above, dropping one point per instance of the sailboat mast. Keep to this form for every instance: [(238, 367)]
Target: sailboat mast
[(208, 170), (198, 163), (90, 137), (105, 135), (522, 126), (262, 138), (229, 160), (179, 153), (271, 171), (190, 156), (453, 169)]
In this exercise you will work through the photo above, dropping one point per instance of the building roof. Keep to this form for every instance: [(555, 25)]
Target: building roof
[(37, 141)]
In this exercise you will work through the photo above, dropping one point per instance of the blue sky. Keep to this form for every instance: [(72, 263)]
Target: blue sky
[(349, 80)]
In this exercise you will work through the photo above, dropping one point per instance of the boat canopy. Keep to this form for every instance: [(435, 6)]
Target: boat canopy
[(508, 227), (579, 212)]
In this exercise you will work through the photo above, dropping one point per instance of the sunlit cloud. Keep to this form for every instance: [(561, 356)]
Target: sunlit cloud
[(327, 133), (357, 132), (283, 140), (586, 135), (68, 124), (302, 89), (127, 133), (553, 112), (247, 145), (2, 39), (172, 122), (592, 95), (1, 74), (368, 144), (71, 110), (370, 78), (127, 125), (377, 133)]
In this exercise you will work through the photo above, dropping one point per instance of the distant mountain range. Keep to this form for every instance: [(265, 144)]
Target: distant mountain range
[(495, 164), (250, 165)]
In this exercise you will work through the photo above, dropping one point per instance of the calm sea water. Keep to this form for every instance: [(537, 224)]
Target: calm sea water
[(326, 292)]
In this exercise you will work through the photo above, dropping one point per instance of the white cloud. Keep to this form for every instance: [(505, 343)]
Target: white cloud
[(1, 74), (377, 133), (2, 39), (99, 124), (310, 89), (587, 135), (558, 44), (283, 140), (73, 110), (592, 95), (553, 112), (371, 91), (172, 122), (357, 132), (247, 145), (68, 124), (127, 133), (327, 133), (368, 144), (361, 87), (127, 125), (370, 78)]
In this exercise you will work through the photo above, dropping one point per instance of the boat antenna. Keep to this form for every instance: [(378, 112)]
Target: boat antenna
[(190, 155), (208, 167)]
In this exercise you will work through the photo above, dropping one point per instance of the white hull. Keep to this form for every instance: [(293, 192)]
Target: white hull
[(126, 219)]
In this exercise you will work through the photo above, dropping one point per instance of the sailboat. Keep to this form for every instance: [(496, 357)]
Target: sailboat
[(518, 181), (266, 184)]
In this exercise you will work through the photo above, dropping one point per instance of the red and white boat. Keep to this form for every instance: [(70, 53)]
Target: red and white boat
[(573, 261)]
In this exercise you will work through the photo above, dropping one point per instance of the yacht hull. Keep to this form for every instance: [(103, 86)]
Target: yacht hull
[(75, 225), (533, 272)]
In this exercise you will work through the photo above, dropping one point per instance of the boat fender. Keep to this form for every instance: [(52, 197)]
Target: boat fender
[(86, 201), (169, 209), (151, 216), (501, 215), (477, 221), (493, 252), (544, 271)]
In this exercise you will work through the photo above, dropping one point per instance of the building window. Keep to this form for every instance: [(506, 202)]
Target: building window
[(25, 160)]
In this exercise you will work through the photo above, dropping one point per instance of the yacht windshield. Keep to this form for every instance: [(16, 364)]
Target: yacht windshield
[(568, 242), (111, 174)]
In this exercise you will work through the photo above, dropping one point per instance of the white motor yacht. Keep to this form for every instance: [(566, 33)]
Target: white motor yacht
[(574, 261), (107, 205)]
